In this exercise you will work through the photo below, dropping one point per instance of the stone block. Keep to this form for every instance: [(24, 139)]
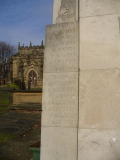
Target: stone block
[(19, 97), (57, 4), (59, 143), (99, 42), (61, 52), (91, 8), (99, 99), (96, 144), (60, 99)]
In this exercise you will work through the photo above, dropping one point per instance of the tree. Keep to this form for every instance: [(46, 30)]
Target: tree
[(6, 51)]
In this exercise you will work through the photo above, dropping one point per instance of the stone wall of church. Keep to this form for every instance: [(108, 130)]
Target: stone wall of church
[(27, 66)]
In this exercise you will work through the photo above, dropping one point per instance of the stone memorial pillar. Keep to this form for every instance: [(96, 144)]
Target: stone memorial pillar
[(60, 87), (99, 107), (81, 82)]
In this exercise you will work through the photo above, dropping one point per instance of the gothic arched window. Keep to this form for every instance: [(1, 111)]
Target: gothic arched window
[(32, 76)]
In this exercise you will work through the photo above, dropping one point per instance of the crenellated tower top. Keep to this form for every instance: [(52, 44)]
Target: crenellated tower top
[(30, 46)]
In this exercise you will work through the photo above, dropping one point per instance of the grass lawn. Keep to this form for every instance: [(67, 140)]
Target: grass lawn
[(4, 98), (4, 102), (6, 94), (6, 137), (12, 85)]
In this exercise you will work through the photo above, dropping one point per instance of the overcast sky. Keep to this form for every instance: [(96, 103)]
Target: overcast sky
[(24, 20)]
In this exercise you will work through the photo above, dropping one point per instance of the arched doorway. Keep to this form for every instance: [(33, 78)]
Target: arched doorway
[(32, 77)]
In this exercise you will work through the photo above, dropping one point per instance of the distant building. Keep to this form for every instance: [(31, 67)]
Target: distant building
[(27, 66)]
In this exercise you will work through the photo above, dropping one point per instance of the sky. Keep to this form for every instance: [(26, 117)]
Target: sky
[(24, 20)]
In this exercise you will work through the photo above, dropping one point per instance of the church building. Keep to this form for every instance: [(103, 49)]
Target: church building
[(27, 66)]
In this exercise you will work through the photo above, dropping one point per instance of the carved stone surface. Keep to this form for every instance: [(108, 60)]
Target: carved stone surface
[(59, 143), (60, 87), (91, 8), (60, 90), (66, 12), (100, 43), (98, 144), (56, 7), (99, 99), (60, 103), (84, 54), (61, 48), (99, 111)]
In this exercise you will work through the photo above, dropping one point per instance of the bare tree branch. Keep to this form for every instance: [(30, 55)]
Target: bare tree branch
[(6, 51)]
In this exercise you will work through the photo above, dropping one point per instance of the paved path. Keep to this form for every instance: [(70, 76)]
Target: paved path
[(26, 127)]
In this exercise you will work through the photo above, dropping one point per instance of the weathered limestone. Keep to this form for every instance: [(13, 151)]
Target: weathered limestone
[(100, 99), (98, 144), (81, 83), (57, 4), (98, 136), (60, 87), (62, 45), (99, 42)]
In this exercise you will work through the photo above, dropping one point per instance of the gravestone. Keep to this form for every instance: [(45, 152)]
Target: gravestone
[(81, 82)]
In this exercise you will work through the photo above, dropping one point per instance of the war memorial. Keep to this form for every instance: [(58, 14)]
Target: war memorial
[(81, 82)]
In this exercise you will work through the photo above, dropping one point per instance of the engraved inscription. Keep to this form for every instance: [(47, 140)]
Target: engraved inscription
[(61, 103), (61, 48)]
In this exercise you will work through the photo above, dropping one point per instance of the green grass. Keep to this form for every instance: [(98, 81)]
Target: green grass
[(12, 85), (4, 101), (6, 137), (4, 94), (4, 98)]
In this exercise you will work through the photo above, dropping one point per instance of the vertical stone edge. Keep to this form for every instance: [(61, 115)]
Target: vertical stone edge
[(69, 131)]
